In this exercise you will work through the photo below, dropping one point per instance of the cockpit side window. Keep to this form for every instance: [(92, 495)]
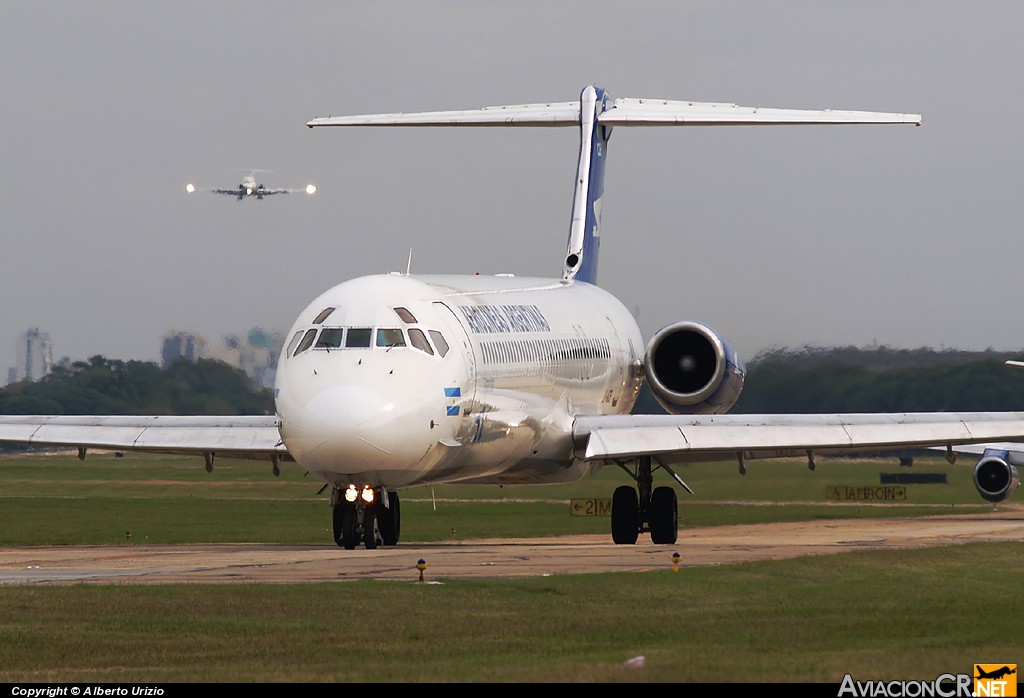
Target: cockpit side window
[(406, 316), (294, 343), (419, 340), (306, 343), (390, 338), (358, 338), (439, 342), (330, 338), (322, 316)]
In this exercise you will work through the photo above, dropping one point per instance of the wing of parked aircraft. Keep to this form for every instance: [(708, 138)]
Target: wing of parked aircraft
[(399, 380)]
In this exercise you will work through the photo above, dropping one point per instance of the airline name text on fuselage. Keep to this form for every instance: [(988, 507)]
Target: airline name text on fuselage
[(487, 319)]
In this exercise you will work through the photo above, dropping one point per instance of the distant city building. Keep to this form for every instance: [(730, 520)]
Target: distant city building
[(256, 355), (34, 357), (181, 345)]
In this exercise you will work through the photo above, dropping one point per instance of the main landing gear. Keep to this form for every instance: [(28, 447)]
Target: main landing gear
[(641, 509), (371, 517)]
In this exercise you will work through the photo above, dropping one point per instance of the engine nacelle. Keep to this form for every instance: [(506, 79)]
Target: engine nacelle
[(995, 477), (692, 370)]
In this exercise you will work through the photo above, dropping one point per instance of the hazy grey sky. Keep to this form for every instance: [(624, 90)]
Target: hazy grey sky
[(773, 235)]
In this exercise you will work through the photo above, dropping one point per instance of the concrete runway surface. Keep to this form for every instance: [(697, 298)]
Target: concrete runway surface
[(270, 564)]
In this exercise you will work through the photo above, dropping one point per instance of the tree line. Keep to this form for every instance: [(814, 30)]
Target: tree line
[(102, 386), (814, 380), (804, 380)]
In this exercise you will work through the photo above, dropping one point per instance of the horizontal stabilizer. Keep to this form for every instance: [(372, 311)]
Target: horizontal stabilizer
[(560, 114), (623, 112), (647, 112)]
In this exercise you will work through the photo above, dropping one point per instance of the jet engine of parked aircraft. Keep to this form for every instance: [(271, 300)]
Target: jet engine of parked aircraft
[(995, 477)]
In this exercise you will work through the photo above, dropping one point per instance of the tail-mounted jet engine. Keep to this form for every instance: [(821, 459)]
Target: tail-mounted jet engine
[(692, 370), (995, 477)]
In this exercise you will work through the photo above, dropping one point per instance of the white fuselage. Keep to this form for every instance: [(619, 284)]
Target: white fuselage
[(414, 380)]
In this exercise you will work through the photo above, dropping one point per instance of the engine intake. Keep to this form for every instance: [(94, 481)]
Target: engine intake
[(995, 477), (692, 370)]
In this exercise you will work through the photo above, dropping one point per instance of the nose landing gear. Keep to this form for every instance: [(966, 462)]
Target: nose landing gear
[(372, 523)]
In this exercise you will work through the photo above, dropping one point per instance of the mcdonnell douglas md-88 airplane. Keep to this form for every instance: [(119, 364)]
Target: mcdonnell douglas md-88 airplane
[(398, 380)]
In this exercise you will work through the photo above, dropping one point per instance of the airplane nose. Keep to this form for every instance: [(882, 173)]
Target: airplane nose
[(355, 425)]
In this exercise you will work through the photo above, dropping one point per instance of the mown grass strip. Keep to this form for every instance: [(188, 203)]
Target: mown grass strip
[(877, 615)]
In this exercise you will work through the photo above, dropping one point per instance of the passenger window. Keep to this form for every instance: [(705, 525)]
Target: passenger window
[(390, 338), (442, 346), (292, 344), (306, 343), (330, 338), (419, 340), (358, 338), (406, 315), (322, 316)]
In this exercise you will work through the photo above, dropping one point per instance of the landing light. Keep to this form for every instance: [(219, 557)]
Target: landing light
[(351, 494), (310, 189), (367, 494), (248, 191), (189, 188)]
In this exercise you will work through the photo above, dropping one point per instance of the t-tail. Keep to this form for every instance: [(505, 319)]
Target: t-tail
[(595, 113)]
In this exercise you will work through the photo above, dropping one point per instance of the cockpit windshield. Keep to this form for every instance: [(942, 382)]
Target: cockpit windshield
[(330, 338), (359, 338), (390, 338)]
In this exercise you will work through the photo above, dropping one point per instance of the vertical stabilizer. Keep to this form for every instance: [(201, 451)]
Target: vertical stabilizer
[(585, 228)]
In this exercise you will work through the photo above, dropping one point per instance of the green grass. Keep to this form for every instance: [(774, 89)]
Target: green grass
[(877, 614), (58, 500)]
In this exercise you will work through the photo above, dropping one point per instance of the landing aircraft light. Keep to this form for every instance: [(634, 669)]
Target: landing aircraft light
[(189, 188), (367, 494), (351, 494), (310, 189)]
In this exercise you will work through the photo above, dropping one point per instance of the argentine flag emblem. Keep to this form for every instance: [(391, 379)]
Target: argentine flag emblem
[(451, 399)]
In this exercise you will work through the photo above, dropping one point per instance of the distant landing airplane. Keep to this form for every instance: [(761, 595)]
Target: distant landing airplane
[(397, 380), (249, 187)]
